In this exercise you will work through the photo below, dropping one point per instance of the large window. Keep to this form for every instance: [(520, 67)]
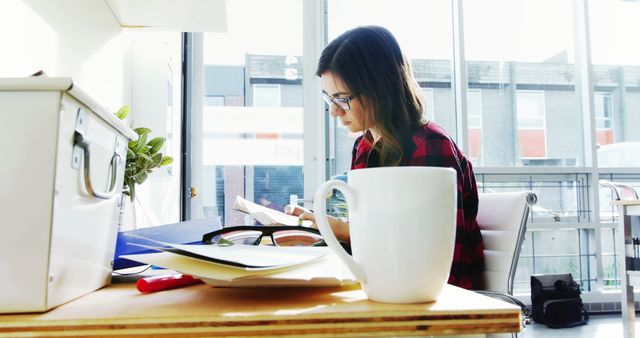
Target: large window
[(527, 122), (525, 68), (616, 68), (616, 75), (531, 124), (252, 118)]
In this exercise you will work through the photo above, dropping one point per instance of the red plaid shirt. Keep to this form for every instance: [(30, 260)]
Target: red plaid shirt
[(433, 147)]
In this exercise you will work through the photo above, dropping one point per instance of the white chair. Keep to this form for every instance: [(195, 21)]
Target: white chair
[(502, 218), (620, 191)]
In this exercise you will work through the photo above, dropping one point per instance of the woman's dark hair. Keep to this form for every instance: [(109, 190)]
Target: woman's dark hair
[(370, 63)]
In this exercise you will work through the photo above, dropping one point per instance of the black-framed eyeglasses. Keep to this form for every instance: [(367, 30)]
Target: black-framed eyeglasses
[(254, 235), (343, 103)]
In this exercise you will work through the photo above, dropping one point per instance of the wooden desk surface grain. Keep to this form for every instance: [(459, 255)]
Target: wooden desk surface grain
[(204, 311)]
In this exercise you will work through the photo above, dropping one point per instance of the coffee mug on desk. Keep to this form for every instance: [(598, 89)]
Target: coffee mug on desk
[(402, 223)]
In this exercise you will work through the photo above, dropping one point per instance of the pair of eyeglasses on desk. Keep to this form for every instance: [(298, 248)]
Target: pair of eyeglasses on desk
[(284, 235)]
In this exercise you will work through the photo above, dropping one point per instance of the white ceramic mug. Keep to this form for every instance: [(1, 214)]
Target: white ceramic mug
[(402, 223)]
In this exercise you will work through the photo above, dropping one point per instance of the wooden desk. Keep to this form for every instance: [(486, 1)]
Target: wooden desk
[(201, 310), (626, 210)]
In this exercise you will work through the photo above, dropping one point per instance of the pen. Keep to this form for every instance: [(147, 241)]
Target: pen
[(165, 282)]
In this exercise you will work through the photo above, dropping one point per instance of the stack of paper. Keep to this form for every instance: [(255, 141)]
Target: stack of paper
[(248, 265)]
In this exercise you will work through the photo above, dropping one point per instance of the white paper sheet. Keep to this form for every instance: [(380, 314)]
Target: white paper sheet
[(326, 270), (264, 215), (252, 257)]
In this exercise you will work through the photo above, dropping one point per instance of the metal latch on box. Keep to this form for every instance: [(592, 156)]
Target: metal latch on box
[(81, 150)]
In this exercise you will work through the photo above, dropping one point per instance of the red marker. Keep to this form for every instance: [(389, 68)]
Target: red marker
[(165, 282)]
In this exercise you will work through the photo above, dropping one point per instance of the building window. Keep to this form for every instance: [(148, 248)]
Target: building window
[(604, 122), (531, 124), (216, 101), (474, 123), (266, 95)]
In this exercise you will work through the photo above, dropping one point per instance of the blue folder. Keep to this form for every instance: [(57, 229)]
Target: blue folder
[(183, 233)]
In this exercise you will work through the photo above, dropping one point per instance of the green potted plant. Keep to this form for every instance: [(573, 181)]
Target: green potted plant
[(143, 156)]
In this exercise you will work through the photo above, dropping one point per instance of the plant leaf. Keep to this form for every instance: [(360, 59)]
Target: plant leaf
[(141, 143), (142, 131), (130, 154), (123, 112), (166, 160), (224, 242), (156, 160), (142, 177), (142, 158), (145, 157), (132, 192), (156, 144)]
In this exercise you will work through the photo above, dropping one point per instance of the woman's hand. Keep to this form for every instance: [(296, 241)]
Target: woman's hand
[(340, 228)]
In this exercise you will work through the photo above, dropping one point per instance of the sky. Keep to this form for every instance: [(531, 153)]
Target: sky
[(495, 30)]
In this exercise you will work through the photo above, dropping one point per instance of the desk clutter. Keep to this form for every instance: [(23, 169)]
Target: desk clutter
[(241, 265)]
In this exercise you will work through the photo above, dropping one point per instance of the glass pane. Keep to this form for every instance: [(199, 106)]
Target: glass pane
[(544, 252), (525, 268), (474, 123), (603, 107), (612, 187), (252, 118), (266, 95), (423, 30), (610, 264), (562, 198), (616, 68), (552, 243), (524, 69)]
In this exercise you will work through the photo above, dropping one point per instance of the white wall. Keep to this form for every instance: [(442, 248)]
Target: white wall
[(72, 38), (82, 39)]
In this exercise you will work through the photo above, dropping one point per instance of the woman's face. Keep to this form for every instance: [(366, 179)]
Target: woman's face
[(355, 119)]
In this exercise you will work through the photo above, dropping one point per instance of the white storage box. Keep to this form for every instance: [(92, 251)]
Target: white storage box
[(63, 159)]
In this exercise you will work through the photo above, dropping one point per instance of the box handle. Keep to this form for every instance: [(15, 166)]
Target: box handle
[(80, 143)]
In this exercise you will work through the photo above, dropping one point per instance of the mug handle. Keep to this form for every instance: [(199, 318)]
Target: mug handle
[(320, 201)]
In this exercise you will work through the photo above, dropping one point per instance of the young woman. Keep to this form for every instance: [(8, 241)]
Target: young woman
[(369, 85)]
